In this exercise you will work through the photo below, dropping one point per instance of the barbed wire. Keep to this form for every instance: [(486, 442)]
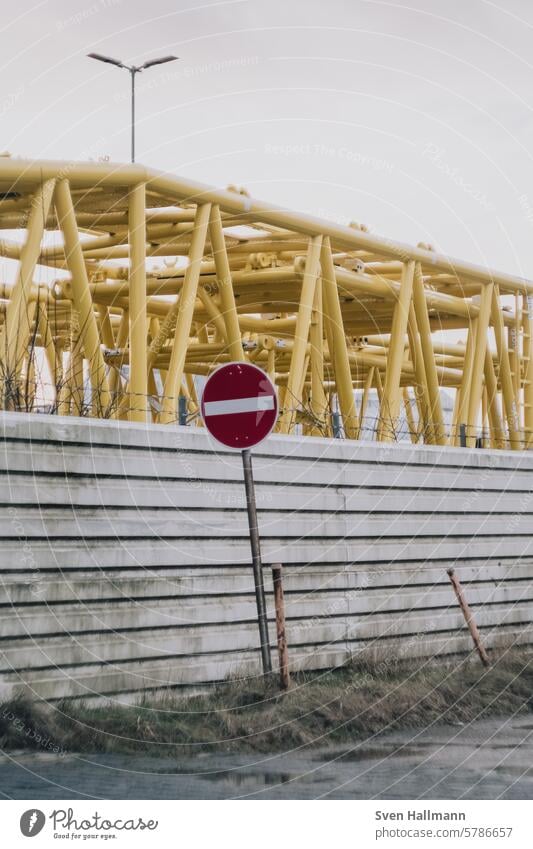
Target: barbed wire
[(22, 384)]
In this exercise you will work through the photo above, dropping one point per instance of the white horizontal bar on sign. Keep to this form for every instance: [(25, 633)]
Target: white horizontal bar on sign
[(239, 405)]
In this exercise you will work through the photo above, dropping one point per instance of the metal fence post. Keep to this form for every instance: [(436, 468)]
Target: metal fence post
[(469, 617), (283, 652)]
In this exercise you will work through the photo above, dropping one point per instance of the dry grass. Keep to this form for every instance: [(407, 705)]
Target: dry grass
[(361, 699)]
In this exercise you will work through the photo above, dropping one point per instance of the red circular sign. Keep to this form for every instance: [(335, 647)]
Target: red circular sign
[(239, 405)]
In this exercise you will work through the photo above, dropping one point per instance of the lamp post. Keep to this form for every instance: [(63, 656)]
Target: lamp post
[(133, 71)]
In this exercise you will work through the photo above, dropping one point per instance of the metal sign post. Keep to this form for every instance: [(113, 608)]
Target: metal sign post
[(256, 561), (239, 408)]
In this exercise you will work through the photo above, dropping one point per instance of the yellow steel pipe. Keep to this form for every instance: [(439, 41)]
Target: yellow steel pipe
[(184, 316), (81, 294)]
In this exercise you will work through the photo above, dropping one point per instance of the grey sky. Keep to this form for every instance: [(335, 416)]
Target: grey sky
[(414, 119)]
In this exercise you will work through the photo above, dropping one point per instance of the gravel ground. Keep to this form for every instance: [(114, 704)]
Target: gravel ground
[(488, 759)]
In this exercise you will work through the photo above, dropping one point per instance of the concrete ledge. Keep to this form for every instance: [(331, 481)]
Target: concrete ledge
[(87, 431)]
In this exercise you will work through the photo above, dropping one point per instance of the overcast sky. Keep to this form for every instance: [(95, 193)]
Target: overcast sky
[(414, 119)]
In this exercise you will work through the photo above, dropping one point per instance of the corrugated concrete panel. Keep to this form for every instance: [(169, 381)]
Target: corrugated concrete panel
[(125, 561)]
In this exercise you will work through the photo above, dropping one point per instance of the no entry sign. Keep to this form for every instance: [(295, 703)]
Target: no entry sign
[(239, 409), (239, 405)]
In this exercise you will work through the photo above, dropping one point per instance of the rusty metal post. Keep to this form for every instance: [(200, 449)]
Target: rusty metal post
[(283, 652), (469, 617), (256, 561)]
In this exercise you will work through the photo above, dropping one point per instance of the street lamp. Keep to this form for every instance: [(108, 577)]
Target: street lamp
[(133, 70)]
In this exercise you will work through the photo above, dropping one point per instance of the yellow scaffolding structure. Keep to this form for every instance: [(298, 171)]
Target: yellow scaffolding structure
[(160, 279)]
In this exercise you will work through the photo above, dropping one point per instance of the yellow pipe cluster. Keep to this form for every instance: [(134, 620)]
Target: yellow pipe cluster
[(331, 312)]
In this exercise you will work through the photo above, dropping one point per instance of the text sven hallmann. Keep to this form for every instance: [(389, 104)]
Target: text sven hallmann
[(420, 815)]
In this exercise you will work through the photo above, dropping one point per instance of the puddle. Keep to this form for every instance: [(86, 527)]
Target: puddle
[(238, 778), (373, 753), (513, 770)]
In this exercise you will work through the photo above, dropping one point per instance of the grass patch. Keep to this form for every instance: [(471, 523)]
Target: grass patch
[(347, 704)]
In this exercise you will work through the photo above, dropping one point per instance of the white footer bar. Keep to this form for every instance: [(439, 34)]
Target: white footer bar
[(310, 824)]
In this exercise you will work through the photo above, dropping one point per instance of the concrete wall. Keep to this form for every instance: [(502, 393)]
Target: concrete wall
[(124, 560)]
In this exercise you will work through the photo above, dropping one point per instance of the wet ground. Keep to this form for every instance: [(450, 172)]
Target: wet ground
[(488, 759)]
